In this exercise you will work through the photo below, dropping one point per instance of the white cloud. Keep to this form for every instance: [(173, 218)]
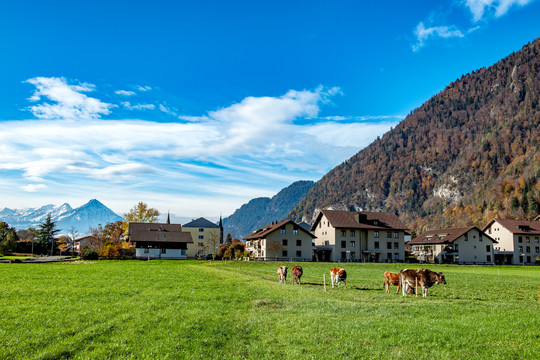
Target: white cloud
[(422, 34), (34, 187), (144, 88), (125, 92), (129, 106), (70, 102), (478, 8)]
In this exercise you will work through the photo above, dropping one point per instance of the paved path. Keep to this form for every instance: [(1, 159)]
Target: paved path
[(43, 259)]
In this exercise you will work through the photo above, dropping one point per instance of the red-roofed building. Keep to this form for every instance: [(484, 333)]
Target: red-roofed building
[(468, 245), (284, 240), (358, 236), (518, 241)]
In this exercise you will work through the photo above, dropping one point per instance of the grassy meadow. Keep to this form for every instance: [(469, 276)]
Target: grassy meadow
[(222, 310)]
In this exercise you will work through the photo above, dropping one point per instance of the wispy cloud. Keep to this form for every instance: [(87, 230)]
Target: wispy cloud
[(70, 102), (143, 88), (422, 34), (479, 8), (33, 187), (129, 106), (125, 92)]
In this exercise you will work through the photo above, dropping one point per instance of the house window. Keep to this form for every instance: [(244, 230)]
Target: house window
[(343, 244), (396, 256), (376, 244), (536, 239), (295, 232), (388, 234), (162, 235), (520, 239), (282, 231), (353, 233), (389, 256), (389, 245), (396, 235), (481, 238), (200, 244), (527, 240), (353, 244), (456, 247), (376, 234), (343, 233), (520, 249), (353, 255), (537, 249), (298, 242), (488, 248), (343, 255), (298, 253), (163, 251), (326, 242), (488, 258), (396, 245), (201, 230), (146, 250), (201, 237), (284, 241), (284, 253), (528, 249)]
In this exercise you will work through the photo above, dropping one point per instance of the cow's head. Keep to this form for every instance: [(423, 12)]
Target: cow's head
[(441, 279)]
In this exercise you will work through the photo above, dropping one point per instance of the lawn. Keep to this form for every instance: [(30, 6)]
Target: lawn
[(190, 309)]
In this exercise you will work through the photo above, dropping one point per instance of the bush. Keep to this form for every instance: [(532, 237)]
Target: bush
[(90, 255)]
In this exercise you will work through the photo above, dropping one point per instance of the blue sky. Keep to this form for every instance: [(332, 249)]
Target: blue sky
[(197, 107)]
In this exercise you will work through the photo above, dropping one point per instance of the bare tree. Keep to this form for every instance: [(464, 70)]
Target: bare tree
[(275, 247), (213, 243)]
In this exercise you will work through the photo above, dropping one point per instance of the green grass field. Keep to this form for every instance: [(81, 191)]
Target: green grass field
[(189, 309)]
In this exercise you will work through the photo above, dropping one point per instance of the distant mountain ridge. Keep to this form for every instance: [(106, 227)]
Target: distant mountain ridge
[(469, 154), (91, 214), (262, 211)]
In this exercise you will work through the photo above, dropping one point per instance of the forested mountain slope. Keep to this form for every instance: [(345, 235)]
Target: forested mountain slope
[(263, 211), (469, 154)]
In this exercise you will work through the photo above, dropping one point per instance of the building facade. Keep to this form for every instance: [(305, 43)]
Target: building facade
[(285, 240), (518, 241), (358, 236), (206, 236), (159, 241), (468, 245)]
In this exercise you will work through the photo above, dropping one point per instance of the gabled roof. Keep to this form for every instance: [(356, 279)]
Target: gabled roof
[(521, 227), (366, 220), (265, 230), (201, 223), (158, 232), (445, 236)]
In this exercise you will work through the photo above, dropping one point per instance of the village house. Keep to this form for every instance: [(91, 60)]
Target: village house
[(518, 241), (159, 241), (358, 236), (285, 240), (468, 245), (206, 236)]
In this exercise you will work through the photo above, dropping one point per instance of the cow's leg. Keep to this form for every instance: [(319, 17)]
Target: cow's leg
[(398, 286)]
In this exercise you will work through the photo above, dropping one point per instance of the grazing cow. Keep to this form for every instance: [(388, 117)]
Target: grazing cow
[(338, 275), (425, 277), (282, 273), (391, 278), (296, 274)]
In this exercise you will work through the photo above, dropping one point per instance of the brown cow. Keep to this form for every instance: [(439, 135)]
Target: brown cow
[(338, 275), (282, 273), (424, 277), (391, 278), (296, 274)]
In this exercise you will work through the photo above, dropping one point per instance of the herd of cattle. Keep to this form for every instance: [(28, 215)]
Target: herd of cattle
[(406, 280)]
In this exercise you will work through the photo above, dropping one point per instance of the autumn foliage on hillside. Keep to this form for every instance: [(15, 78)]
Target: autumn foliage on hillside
[(469, 154)]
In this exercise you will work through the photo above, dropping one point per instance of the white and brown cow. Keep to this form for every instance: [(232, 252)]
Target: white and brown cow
[(338, 275), (392, 278), (424, 277), (282, 273), (296, 274)]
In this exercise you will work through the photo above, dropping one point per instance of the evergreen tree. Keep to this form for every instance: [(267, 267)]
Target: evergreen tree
[(47, 234), (8, 238)]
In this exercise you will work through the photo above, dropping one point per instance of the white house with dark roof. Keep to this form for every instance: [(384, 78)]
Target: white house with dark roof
[(358, 236), (284, 240), (159, 241), (518, 241), (206, 235), (468, 245)]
